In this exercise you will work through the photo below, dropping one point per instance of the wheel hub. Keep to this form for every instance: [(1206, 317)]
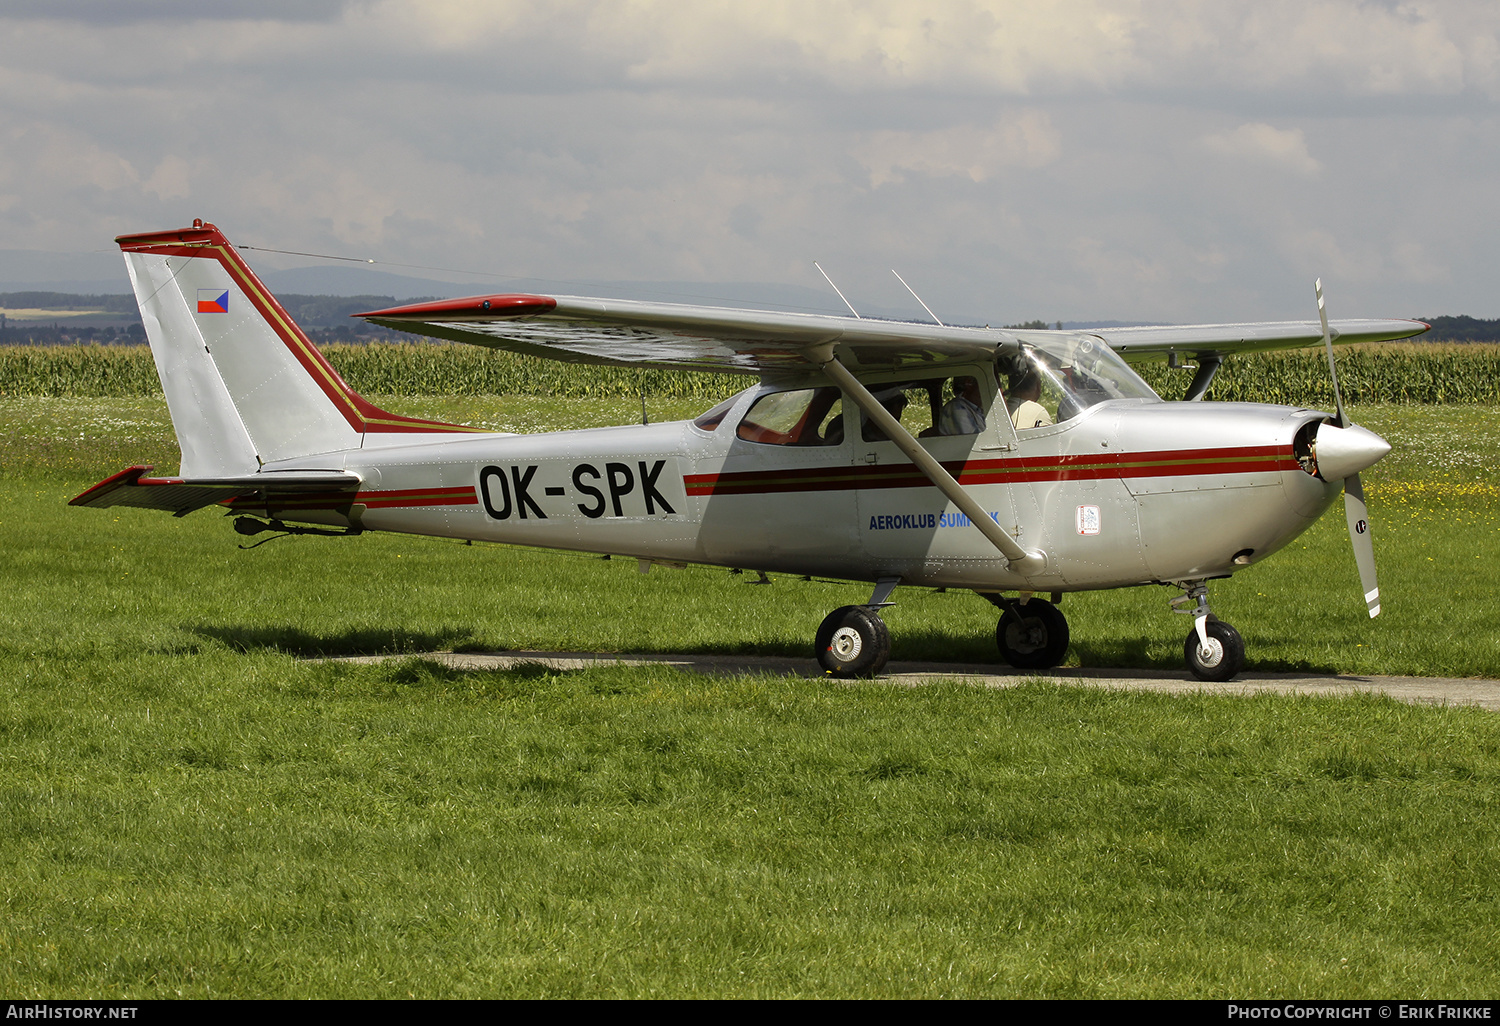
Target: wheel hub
[(1026, 637), (1212, 653), (846, 643)]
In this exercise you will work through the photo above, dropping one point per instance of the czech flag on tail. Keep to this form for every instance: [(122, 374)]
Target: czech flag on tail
[(213, 300)]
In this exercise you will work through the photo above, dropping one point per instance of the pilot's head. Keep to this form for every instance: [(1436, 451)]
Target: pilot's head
[(1026, 385)]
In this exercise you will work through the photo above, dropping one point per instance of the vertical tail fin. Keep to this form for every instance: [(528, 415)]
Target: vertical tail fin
[(244, 384)]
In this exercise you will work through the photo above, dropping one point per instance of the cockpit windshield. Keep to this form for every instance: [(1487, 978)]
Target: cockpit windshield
[(1059, 377)]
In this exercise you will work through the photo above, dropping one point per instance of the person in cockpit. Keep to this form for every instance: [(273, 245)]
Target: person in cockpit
[(962, 415), (1021, 401), (895, 404)]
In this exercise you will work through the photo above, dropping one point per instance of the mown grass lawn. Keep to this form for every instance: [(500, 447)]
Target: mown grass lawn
[(189, 807)]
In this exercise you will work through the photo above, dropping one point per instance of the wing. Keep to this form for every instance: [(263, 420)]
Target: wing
[(1140, 344), (671, 335)]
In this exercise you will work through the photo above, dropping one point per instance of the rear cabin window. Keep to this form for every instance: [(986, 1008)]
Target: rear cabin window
[(807, 416), (920, 407)]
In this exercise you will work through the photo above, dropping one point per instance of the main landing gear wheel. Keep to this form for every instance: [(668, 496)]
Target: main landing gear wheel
[(1032, 635), (1222, 659), (853, 642)]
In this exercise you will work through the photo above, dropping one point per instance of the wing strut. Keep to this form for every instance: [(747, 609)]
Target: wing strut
[(1022, 561), (1208, 366)]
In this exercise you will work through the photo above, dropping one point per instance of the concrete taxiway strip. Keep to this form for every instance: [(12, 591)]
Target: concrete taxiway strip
[(1484, 694)]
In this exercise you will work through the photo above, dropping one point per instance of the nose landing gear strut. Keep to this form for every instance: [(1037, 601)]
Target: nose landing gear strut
[(1214, 650)]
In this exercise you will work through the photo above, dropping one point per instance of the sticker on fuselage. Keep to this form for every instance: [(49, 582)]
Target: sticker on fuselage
[(1088, 520)]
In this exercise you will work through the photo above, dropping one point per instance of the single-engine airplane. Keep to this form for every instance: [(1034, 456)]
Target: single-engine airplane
[(868, 450)]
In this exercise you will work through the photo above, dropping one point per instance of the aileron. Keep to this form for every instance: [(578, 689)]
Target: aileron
[(1137, 344)]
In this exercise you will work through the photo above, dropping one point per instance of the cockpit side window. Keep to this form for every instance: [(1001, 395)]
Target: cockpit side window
[(1056, 380), (806, 416), (908, 401)]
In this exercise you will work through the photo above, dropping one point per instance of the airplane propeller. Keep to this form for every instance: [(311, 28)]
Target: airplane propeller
[(1343, 450)]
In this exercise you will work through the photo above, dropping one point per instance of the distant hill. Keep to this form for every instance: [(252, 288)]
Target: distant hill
[(49, 318), (67, 301), (309, 311), (44, 309)]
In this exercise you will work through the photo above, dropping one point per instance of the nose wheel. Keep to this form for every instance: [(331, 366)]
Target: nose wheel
[(1214, 651), (1221, 658), (853, 641)]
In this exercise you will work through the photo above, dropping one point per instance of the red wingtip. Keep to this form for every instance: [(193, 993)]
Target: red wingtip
[(469, 308)]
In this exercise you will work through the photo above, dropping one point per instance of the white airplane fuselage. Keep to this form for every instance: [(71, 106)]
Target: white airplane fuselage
[(1125, 493)]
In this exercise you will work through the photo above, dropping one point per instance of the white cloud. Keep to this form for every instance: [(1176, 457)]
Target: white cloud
[(1260, 143), (1004, 47), (171, 179), (975, 152), (1084, 158)]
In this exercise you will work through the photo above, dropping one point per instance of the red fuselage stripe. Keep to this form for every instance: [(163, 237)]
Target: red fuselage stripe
[(1175, 463), (405, 498)]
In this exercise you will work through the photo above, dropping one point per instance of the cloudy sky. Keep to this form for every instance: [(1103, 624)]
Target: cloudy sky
[(1140, 160)]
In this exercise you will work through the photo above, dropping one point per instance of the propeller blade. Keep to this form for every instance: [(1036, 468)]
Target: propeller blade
[(1358, 518), (1352, 448), (1338, 398)]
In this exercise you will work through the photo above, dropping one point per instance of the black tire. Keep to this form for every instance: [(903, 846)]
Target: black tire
[(1032, 636), (1226, 656), (853, 641)]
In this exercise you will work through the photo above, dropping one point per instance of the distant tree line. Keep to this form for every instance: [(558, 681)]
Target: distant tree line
[(37, 333), (1460, 329), (111, 303)]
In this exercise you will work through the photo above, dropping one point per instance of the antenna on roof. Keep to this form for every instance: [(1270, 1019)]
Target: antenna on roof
[(836, 289), (918, 298)]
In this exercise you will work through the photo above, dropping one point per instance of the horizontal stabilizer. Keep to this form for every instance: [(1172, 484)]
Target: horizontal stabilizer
[(307, 489)]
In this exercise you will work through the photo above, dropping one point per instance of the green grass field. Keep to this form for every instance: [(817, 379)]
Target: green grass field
[(191, 807)]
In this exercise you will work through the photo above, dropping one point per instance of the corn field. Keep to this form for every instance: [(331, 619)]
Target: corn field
[(1410, 373), (1393, 373)]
